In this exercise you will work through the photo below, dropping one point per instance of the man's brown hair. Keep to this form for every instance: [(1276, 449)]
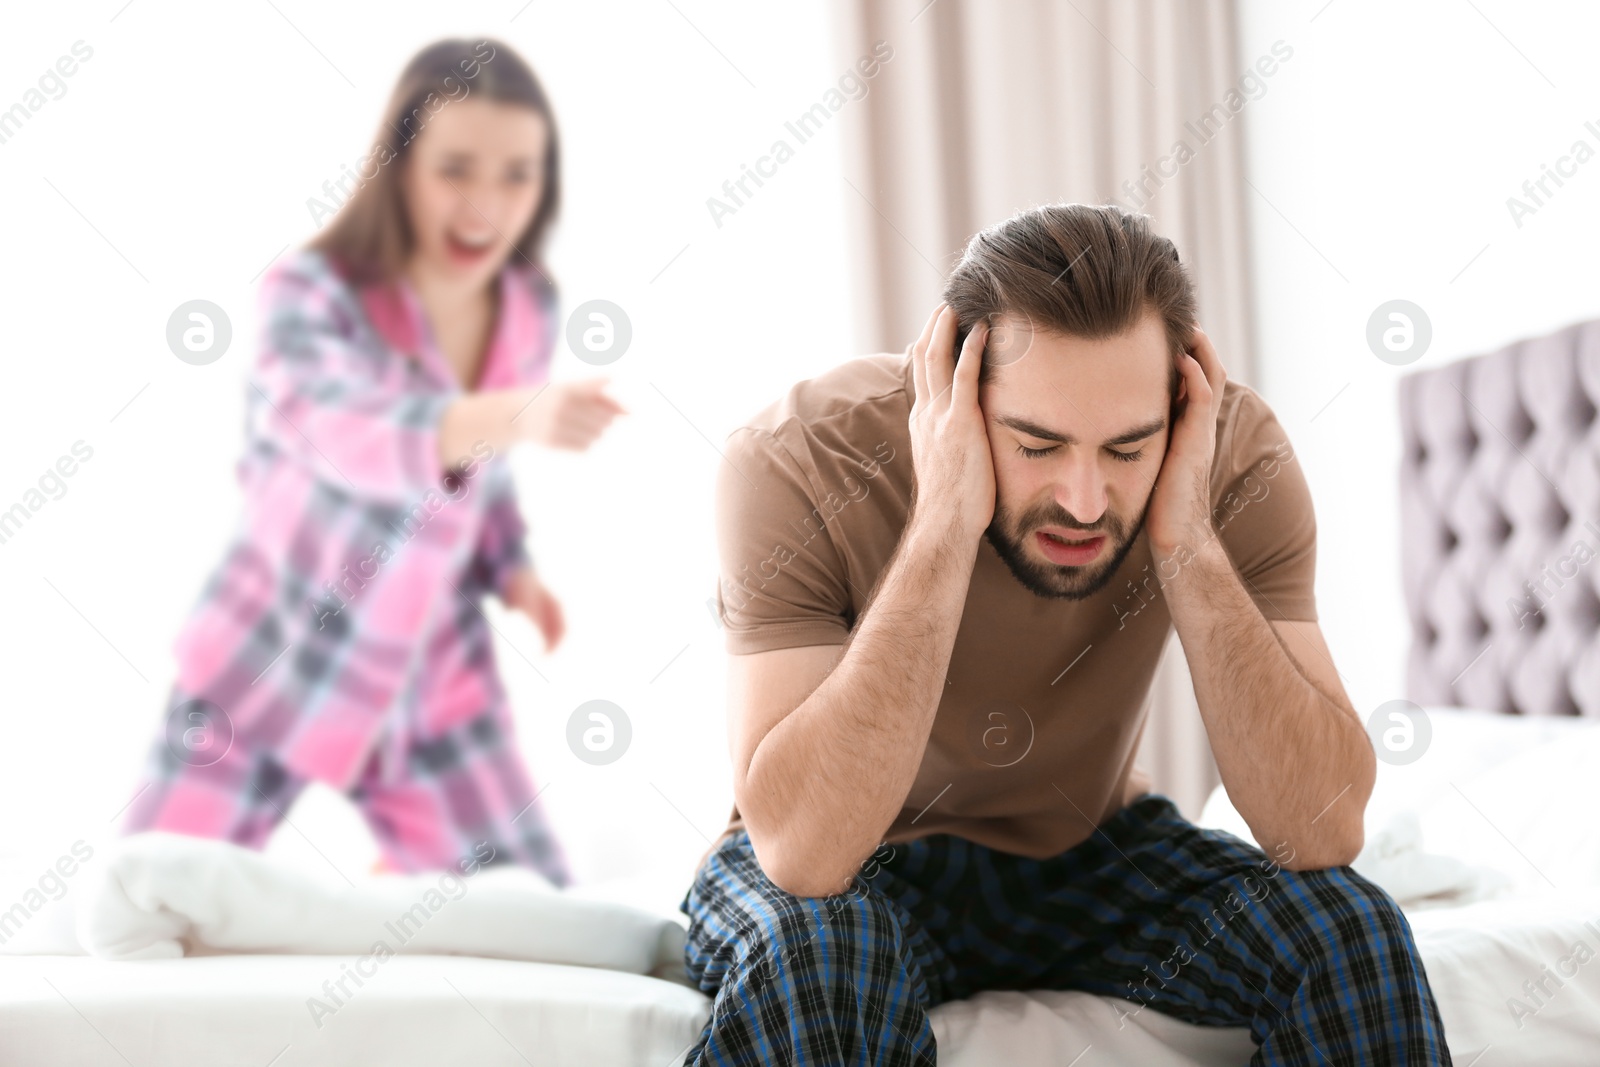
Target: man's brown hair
[(1081, 270)]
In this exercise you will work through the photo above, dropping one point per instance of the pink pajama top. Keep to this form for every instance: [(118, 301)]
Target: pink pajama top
[(351, 582)]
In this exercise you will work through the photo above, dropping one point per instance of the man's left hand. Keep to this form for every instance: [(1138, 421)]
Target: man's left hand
[(1180, 504)]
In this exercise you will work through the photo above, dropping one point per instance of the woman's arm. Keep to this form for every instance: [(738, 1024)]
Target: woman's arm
[(324, 399), (558, 415), (498, 416)]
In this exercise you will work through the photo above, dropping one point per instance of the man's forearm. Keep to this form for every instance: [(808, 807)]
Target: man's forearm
[(1286, 750), (831, 776)]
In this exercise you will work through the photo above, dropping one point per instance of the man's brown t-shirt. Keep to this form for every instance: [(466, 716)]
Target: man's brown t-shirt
[(1034, 739)]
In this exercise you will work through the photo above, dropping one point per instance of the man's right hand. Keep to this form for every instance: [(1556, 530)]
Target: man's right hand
[(955, 488)]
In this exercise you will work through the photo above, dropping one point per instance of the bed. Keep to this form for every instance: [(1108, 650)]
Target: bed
[(1487, 840), (1476, 840)]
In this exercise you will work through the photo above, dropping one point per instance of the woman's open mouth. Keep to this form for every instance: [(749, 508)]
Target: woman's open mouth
[(1059, 548), (468, 251)]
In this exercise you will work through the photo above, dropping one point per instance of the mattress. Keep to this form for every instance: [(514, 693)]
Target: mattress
[(78, 1011), (1514, 959)]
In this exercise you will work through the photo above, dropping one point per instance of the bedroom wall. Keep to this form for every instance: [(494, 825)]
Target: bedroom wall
[(1381, 158)]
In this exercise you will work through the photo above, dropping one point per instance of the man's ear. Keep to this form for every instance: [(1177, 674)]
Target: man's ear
[(960, 342), (1175, 406)]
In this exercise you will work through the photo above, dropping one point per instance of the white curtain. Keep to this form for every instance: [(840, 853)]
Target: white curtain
[(985, 109)]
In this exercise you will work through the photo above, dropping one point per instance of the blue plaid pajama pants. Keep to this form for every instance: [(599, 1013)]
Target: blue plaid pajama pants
[(1189, 922)]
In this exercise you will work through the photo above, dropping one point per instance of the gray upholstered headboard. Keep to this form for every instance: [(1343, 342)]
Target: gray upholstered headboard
[(1500, 525)]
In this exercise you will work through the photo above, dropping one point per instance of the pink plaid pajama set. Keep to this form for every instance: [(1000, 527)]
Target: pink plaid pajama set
[(340, 639)]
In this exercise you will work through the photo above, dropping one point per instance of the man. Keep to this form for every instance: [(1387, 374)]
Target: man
[(945, 584)]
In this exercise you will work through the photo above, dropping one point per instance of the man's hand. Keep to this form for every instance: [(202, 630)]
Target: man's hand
[(949, 442), (1180, 504), (524, 592)]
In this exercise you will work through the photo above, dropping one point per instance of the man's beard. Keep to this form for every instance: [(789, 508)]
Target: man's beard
[(1059, 580)]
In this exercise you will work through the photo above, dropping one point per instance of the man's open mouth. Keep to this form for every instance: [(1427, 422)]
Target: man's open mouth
[(1069, 551)]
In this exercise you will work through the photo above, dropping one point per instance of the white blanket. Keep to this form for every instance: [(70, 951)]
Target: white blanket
[(1416, 878), (1497, 807), (159, 896)]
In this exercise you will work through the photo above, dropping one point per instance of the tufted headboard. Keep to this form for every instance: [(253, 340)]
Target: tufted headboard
[(1500, 527)]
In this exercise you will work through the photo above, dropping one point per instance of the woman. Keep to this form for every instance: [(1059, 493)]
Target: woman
[(403, 352)]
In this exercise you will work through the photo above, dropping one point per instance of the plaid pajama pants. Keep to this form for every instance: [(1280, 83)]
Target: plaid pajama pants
[(464, 785), (1192, 923)]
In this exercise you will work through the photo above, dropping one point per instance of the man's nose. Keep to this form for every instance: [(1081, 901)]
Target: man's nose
[(1081, 490)]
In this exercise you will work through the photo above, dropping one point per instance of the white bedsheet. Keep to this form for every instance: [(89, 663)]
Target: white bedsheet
[(1495, 799)]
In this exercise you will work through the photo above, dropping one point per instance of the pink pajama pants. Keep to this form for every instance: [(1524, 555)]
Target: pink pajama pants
[(455, 790)]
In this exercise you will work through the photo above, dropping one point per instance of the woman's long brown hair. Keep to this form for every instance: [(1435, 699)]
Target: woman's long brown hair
[(370, 238)]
